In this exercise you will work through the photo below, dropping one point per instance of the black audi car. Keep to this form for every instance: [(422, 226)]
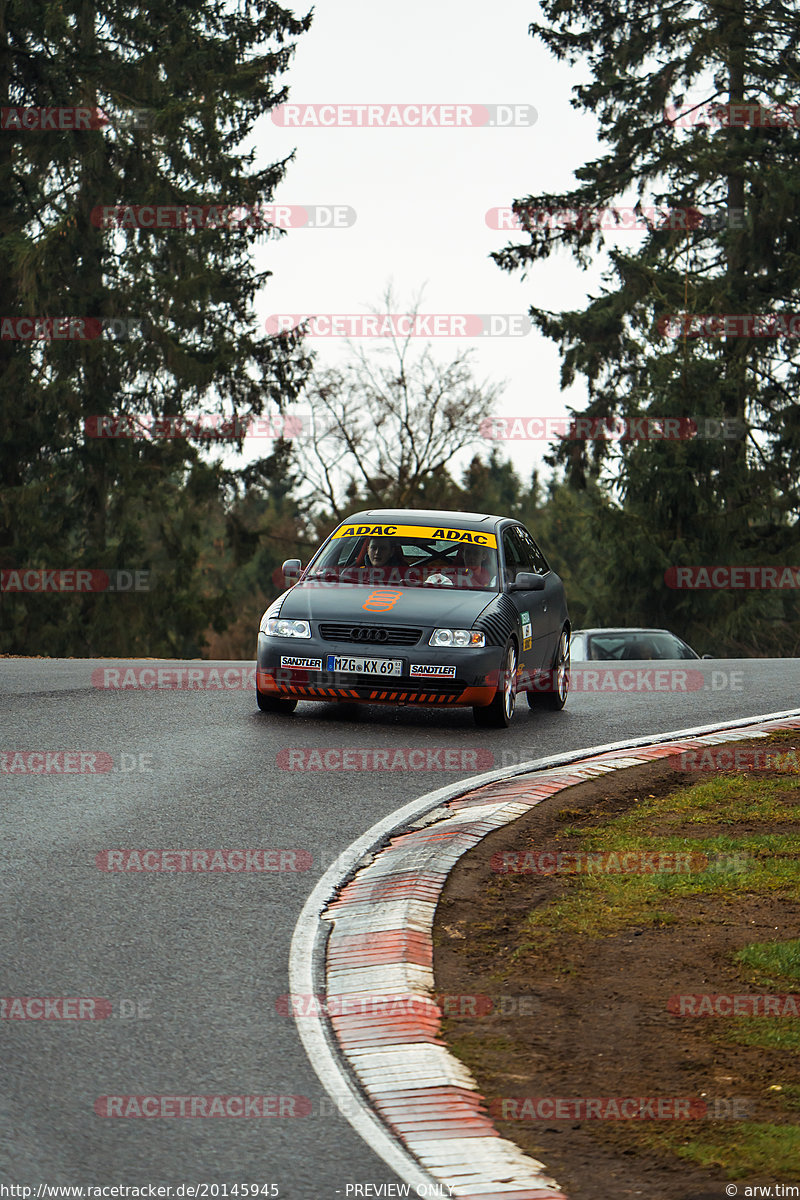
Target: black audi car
[(418, 607)]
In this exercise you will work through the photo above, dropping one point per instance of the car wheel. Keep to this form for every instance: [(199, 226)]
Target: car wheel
[(274, 704), (556, 698), (498, 714)]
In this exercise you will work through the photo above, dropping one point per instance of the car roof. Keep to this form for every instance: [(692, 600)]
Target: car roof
[(438, 517), (625, 629)]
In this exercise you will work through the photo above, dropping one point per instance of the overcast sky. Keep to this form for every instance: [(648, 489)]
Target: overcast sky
[(421, 195)]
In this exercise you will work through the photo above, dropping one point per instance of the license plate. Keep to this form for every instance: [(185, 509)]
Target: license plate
[(365, 666)]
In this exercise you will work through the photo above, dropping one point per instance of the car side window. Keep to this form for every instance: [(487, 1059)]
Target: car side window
[(340, 554), (512, 553), (531, 555), (536, 557), (524, 550), (347, 551)]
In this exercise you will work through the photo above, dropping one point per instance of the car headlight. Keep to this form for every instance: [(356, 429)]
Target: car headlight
[(283, 627), (457, 637)]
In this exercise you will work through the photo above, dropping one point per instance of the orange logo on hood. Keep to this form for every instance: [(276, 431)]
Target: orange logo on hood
[(381, 600)]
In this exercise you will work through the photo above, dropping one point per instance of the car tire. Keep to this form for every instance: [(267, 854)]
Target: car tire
[(274, 704), (559, 675), (499, 713)]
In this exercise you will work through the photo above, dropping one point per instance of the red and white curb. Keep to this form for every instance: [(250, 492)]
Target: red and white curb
[(382, 1061)]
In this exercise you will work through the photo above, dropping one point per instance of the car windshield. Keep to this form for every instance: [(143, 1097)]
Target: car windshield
[(462, 559), (624, 647)]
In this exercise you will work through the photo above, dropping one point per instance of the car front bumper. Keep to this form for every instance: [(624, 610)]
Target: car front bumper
[(474, 682)]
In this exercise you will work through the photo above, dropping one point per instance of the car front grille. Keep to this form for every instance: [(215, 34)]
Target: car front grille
[(397, 635)]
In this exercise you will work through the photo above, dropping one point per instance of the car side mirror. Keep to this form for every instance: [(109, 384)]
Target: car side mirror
[(291, 569), (527, 581), (707, 656)]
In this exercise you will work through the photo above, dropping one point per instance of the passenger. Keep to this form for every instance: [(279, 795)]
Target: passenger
[(474, 571)]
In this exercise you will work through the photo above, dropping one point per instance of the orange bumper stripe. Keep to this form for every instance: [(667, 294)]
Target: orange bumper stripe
[(266, 683)]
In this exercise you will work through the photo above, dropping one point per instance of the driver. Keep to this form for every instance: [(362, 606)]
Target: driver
[(384, 553)]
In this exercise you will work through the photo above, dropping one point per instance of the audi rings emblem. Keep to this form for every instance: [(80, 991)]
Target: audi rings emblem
[(366, 633)]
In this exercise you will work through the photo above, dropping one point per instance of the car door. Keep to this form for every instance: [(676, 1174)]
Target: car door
[(529, 605), (553, 614)]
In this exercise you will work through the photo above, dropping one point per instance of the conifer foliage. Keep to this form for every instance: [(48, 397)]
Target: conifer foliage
[(698, 112)]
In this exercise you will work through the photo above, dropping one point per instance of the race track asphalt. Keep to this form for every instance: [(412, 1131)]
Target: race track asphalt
[(194, 963)]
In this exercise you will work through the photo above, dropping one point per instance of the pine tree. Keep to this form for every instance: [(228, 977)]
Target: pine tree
[(179, 89), (721, 204)]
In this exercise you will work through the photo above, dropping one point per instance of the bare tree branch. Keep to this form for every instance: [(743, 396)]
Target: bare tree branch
[(389, 420)]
